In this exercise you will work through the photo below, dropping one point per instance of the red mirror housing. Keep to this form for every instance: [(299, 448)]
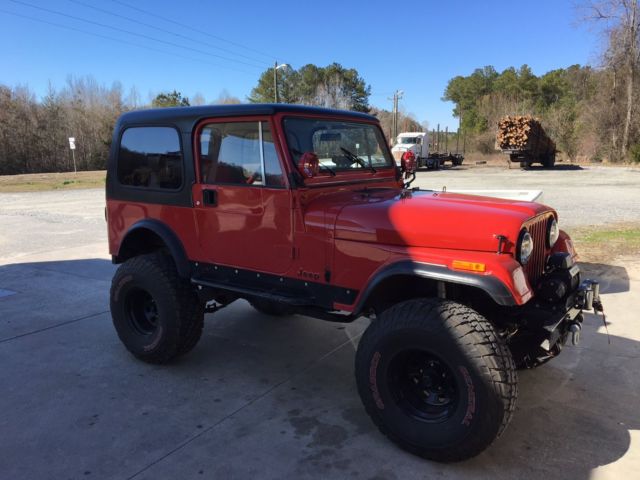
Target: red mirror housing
[(309, 165), (408, 162)]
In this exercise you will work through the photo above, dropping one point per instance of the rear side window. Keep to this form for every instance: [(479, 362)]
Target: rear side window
[(150, 157)]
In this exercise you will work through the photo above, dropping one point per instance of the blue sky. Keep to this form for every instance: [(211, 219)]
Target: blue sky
[(413, 46)]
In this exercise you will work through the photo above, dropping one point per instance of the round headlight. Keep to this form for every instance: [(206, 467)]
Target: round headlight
[(525, 247), (553, 232)]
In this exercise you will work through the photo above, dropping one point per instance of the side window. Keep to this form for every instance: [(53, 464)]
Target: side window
[(272, 167), (150, 157), (230, 153)]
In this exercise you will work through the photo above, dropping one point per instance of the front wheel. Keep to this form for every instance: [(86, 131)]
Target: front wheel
[(436, 379)]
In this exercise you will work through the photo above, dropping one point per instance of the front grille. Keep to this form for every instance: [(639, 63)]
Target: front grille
[(535, 266)]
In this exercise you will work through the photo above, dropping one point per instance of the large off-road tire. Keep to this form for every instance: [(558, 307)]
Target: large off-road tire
[(157, 314), (436, 379), (268, 307)]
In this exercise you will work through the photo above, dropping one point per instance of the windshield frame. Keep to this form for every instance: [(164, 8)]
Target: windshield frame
[(341, 174)]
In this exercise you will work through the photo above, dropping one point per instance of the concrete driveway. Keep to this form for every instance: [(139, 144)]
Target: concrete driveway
[(260, 397)]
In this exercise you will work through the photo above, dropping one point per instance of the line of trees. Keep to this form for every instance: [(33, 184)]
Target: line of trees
[(591, 113), (332, 86), (34, 132)]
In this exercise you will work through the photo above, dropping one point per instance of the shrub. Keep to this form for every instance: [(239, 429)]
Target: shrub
[(634, 153)]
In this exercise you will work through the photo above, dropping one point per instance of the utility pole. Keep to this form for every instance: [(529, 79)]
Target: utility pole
[(397, 95), (275, 79)]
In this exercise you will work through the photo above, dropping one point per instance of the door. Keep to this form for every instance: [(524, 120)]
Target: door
[(243, 204)]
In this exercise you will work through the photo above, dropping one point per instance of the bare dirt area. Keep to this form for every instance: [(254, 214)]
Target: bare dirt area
[(264, 397)]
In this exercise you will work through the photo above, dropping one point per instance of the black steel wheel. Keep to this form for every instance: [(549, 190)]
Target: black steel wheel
[(423, 385), (142, 311), (156, 314), (436, 379)]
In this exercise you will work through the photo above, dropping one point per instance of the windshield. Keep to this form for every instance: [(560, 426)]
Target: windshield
[(408, 140), (340, 145)]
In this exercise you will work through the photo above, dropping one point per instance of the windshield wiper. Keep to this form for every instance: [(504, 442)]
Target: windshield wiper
[(357, 159), (320, 165)]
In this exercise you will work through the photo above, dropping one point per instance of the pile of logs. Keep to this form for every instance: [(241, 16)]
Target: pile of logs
[(523, 132)]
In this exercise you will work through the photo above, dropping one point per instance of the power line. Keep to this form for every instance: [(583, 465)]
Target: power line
[(190, 27), (126, 42), (141, 35), (155, 27)]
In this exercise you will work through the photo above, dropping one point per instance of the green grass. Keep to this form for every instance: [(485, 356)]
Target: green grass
[(631, 235), (608, 242), (51, 181)]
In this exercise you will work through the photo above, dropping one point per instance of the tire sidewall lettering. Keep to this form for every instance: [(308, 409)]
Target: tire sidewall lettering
[(156, 340), (121, 283), (471, 396), (373, 380)]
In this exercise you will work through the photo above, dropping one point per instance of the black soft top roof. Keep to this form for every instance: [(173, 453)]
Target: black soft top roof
[(186, 117)]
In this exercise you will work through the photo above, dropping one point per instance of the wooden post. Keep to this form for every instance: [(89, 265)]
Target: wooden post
[(446, 139)]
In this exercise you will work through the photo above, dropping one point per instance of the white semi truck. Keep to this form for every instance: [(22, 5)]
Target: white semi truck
[(418, 144)]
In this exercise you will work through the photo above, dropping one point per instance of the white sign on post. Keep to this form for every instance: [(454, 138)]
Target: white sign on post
[(72, 146)]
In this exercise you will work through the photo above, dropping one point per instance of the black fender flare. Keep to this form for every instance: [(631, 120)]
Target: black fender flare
[(168, 237), (493, 287)]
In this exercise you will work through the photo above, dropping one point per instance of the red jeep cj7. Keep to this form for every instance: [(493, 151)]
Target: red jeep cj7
[(303, 210)]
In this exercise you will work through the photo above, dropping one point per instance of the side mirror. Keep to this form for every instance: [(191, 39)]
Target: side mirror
[(308, 165), (408, 162)]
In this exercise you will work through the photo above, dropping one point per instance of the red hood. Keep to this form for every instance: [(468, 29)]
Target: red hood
[(422, 219)]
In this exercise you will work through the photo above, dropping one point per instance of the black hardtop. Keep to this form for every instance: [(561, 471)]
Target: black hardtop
[(187, 117)]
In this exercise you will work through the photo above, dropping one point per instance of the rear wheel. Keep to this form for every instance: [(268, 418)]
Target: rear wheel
[(550, 161), (436, 379), (157, 314)]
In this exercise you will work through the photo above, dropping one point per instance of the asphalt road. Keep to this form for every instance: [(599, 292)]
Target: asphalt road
[(275, 398)]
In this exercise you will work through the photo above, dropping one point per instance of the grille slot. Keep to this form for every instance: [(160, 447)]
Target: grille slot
[(535, 267)]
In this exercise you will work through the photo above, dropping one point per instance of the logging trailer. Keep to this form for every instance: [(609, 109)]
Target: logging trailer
[(525, 141)]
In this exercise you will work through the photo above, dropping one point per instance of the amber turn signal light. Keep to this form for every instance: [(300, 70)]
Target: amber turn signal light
[(470, 266)]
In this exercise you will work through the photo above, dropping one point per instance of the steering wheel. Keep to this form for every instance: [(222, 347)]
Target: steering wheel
[(253, 177)]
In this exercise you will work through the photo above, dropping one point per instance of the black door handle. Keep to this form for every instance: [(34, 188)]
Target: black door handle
[(210, 197)]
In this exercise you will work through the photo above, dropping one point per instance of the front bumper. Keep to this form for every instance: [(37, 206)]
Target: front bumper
[(554, 316)]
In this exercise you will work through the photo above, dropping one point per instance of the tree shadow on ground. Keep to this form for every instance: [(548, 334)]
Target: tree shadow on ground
[(612, 278), (557, 166)]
